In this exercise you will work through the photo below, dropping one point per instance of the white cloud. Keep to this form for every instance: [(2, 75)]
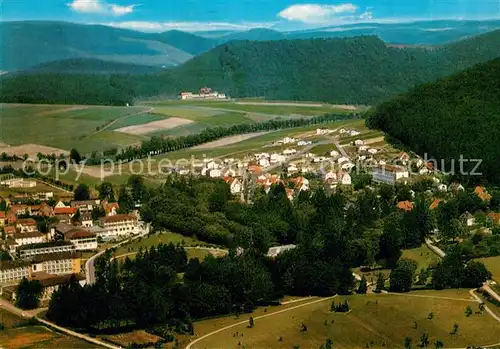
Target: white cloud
[(316, 13), (100, 7), (188, 26), (367, 15)]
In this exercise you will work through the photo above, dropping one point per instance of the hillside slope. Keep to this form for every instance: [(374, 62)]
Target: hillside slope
[(28, 43), (360, 70), (456, 116), (92, 66)]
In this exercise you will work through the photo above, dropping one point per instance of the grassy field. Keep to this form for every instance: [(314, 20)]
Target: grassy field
[(156, 239), (9, 320), (493, 265), (39, 337), (296, 108), (375, 320), (58, 126), (422, 255)]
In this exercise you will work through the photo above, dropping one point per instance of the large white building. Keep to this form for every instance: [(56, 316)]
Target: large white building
[(389, 174), (82, 239), (45, 248), (120, 225), (29, 238)]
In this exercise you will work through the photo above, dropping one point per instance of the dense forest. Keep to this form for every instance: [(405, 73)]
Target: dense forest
[(333, 233), (359, 70), (456, 117)]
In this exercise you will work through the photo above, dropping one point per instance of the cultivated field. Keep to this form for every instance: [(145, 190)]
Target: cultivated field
[(228, 140), (61, 127), (39, 337), (375, 321), (154, 126)]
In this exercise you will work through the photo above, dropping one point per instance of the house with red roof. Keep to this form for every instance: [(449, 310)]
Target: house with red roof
[(3, 218), (435, 204), (405, 205), (65, 211), (26, 225)]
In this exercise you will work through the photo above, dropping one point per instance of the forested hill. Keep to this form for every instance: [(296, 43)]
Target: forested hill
[(91, 65), (360, 70), (458, 115)]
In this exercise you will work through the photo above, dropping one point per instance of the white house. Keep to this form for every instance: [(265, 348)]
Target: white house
[(330, 176), (120, 225), (468, 219), (389, 174), (274, 251), (215, 173), (319, 159), (363, 148), (277, 158), (342, 159), (372, 151), (235, 185), (60, 204), (334, 153), (264, 162), (322, 131), (292, 168), (82, 239), (342, 131), (289, 151), (442, 187), (354, 133), (303, 143), (86, 220), (288, 140), (344, 178), (28, 238), (359, 142), (347, 166), (212, 165)]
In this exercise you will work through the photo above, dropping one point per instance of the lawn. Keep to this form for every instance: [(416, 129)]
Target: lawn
[(156, 239), (39, 337), (422, 255), (376, 320), (195, 114), (58, 126), (493, 265), (9, 320)]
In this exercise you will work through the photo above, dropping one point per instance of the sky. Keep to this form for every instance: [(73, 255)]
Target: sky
[(202, 15)]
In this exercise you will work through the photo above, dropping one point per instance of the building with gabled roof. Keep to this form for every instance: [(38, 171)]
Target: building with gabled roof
[(405, 205)]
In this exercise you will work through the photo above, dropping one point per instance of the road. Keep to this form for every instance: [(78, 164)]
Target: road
[(257, 318), (341, 149), (89, 265), (34, 313)]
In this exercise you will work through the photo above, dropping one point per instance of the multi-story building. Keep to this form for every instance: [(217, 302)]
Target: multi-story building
[(389, 174), (28, 238), (82, 239), (3, 218), (12, 271), (85, 206), (26, 225), (120, 225), (57, 263), (45, 248)]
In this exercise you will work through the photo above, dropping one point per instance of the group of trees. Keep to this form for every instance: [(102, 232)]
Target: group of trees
[(359, 70), (333, 233), (466, 103)]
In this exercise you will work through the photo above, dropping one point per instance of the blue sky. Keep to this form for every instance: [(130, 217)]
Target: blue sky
[(191, 15)]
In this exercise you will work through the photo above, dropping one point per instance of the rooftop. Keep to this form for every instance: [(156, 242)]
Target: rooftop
[(118, 218), (45, 245), (78, 233)]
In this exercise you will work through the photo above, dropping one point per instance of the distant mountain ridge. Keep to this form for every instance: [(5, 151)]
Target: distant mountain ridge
[(26, 44), (358, 70)]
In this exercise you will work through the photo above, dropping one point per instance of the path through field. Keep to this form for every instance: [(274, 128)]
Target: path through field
[(257, 318), (229, 140)]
